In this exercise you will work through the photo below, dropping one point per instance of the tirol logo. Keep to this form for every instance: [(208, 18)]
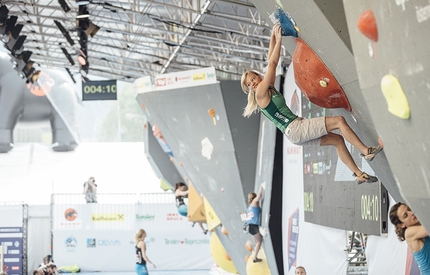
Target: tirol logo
[(186, 241), (71, 242), (145, 217), (91, 242), (70, 214)]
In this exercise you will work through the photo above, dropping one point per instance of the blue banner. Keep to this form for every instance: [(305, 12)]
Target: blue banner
[(293, 233), (11, 239)]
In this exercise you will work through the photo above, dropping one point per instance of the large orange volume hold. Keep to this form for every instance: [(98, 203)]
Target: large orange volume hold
[(315, 80)]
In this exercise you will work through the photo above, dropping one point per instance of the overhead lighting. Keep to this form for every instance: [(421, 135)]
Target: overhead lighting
[(84, 71), (7, 28), (65, 33), (28, 70), (82, 2), (21, 60), (16, 46), (83, 12), (34, 76), (64, 5), (4, 12), (92, 29)]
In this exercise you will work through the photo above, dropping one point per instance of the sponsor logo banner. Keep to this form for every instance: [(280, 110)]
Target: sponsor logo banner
[(108, 217), (146, 217)]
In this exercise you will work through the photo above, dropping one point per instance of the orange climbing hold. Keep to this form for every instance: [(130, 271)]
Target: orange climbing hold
[(315, 80), (248, 246), (367, 25)]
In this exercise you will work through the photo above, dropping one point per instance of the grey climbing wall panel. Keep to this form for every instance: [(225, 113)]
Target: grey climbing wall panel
[(159, 159), (217, 154), (403, 29), (324, 32)]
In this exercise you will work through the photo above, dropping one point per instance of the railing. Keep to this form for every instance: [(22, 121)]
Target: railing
[(118, 198)]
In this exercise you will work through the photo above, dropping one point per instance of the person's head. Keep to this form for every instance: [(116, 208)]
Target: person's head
[(300, 270), (156, 132), (181, 186), (249, 82), (91, 179), (251, 196), (402, 217), (140, 235)]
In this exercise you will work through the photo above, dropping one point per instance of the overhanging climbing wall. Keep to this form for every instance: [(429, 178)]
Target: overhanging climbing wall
[(390, 41), (213, 147), (323, 29)]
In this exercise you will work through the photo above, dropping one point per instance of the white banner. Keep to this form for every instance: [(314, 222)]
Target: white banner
[(101, 237), (319, 249), (182, 79), (143, 84), (11, 215)]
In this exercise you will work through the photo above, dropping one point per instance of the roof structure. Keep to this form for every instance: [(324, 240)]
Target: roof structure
[(134, 38)]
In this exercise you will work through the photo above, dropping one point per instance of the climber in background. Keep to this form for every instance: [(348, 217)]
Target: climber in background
[(181, 192)]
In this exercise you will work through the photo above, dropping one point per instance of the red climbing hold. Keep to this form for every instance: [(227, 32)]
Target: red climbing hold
[(315, 80), (367, 25)]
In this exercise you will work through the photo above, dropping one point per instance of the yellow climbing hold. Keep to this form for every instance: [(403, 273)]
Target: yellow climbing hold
[(212, 219), (297, 28), (396, 99), (219, 253)]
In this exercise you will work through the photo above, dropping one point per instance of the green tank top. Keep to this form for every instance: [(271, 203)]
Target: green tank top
[(278, 112)]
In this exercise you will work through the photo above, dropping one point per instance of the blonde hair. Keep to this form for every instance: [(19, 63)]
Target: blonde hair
[(139, 235), (252, 105), (251, 197)]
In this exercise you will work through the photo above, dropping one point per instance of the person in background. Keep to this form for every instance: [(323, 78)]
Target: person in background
[(408, 228), (141, 258), (161, 140), (253, 220), (90, 190), (181, 192), (301, 131), (300, 270)]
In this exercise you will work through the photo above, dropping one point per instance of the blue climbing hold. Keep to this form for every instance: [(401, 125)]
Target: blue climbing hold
[(289, 27)]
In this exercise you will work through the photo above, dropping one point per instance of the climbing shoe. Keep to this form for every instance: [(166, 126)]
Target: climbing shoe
[(372, 152), (364, 177)]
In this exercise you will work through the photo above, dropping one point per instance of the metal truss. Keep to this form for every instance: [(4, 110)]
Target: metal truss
[(356, 253), (148, 37)]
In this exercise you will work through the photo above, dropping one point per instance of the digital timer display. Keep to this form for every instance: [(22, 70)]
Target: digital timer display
[(99, 90)]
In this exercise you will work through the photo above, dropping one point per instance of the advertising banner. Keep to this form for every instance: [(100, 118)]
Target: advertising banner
[(11, 238), (182, 79), (101, 237)]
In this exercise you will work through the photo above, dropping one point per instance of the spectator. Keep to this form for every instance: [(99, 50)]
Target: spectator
[(141, 258), (90, 190), (300, 270)]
